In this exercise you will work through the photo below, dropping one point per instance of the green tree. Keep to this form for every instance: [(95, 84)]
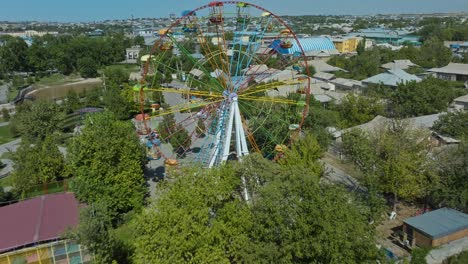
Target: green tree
[(116, 103), (180, 139), (38, 164), (107, 163), (95, 232), (198, 218), (201, 128), (38, 119), (87, 67), (355, 109), (433, 54), (116, 77), (6, 114), (454, 124), (293, 204), (427, 97), (395, 160), (453, 170), (72, 102)]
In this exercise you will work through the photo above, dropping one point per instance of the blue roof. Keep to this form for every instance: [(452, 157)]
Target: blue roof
[(392, 78), (308, 44), (439, 223)]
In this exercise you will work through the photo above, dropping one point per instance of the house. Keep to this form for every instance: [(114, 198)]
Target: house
[(346, 44), (452, 72), (321, 66), (391, 78), (324, 76), (346, 84), (461, 103), (385, 35), (31, 231), (132, 54), (435, 228), (197, 73), (399, 64)]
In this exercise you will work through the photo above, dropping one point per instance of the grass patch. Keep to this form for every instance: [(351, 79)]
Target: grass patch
[(7, 155), (128, 68), (56, 79), (6, 135), (7, 181)]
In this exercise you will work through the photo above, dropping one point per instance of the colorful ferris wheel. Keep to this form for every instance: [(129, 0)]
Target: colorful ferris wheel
[(217, 88)]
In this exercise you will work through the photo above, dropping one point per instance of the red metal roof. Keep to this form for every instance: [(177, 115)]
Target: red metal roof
[(39, 219)]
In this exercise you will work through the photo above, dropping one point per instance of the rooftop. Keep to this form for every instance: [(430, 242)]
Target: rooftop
[(308, 44), (321, 66), (453, 68), (392, 78), (37, 220), (399, 64), (439, 223), (462, 99)]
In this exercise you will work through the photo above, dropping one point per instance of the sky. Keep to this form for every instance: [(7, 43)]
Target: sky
[(98, 10)]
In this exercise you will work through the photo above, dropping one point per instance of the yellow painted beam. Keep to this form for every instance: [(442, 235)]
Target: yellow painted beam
[(269, 99), (267, 86)]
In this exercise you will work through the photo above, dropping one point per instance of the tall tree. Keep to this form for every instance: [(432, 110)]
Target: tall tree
[(36, 120), (37, 164), (198, 218), (356, 110), (395, 160), (107, 162)]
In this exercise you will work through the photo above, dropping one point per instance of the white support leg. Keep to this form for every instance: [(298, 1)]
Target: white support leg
[(244, 150), (228, 134)]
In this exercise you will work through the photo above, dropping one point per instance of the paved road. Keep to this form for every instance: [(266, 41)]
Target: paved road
[(2, 124), (4, 93)]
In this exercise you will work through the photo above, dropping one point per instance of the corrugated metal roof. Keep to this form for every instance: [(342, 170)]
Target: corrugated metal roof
[(35, 220), (308, 44), (453, 68), (439, 223), (392, 78)]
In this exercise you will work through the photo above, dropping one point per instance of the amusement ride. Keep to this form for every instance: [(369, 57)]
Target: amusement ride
[(230, 75)]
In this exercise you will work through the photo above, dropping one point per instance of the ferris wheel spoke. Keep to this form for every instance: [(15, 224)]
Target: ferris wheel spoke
[(195, 62), (187, 92), (266, 86), (205, 45), (257, 39), (270, 100), (185, 107)]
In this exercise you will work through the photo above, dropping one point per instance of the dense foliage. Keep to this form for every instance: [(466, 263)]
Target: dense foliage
[(395, 159), (454, 124), (65, 53), (38, 164), (427, 97), (202, 216), (107, 161)]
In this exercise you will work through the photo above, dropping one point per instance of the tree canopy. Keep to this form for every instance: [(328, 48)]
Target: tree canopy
[(454, 124), (107, 163)]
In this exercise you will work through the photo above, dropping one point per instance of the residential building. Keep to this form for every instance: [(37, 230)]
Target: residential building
[(386, 35), (322, 66), (391, 78), (132, 54), (399, 64), (461, 103), (435, 228), (346, 44), (452, 72)]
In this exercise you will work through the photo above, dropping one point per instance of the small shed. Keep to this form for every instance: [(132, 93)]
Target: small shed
[(436, 228)]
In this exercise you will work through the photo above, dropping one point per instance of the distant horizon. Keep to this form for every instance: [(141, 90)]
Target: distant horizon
[(165, 17), (86, 11)]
